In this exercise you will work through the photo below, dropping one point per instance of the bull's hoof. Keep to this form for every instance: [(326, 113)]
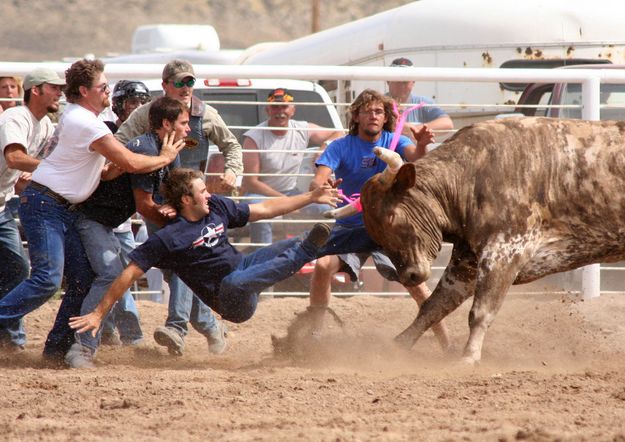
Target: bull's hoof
[(468, 361), (404, 341)]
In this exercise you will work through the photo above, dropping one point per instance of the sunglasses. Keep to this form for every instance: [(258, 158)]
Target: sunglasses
[(103, 88), (188, 83)]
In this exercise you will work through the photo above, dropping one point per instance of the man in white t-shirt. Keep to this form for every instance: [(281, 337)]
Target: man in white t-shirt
[(71, 168), (25, 129), (288, 143)]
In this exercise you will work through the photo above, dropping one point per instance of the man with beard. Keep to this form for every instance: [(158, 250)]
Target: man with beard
[(353, 162), (71, 168), (289, 138), (25, 129)]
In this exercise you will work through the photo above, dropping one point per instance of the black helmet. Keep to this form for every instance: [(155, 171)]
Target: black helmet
[(125, 89)]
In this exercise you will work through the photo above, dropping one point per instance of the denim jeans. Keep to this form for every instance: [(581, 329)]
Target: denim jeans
[(238, 293), (185, 306), (124, 315), (14, 269), (103, 252), (55, 251), (262, 232)]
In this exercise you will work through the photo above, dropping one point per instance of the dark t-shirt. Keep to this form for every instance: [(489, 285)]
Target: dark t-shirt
[(198, 252)]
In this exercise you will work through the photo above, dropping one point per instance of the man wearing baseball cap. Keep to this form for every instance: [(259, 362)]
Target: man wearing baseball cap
[(279, 151), (25, 130), (434, 118), (206, 126)]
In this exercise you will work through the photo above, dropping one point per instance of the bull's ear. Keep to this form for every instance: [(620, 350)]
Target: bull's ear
[(405, 179)]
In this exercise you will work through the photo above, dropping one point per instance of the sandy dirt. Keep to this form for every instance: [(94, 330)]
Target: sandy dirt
[(552, 370)]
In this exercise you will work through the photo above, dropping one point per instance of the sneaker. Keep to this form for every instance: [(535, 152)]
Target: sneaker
[(170, 338), (79, 357), (318, 235), (217, 339), (110, 338)]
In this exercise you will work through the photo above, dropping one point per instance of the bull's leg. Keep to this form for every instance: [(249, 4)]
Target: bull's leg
[(494, 279), (455, 286)]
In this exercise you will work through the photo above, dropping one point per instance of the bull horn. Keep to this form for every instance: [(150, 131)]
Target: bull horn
[(341, 212), (393, 161)]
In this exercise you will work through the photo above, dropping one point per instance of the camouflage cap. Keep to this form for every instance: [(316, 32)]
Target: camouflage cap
[(178, 70)]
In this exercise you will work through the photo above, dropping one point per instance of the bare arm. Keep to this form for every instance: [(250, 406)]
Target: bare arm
[(128, 161), (251, 164), (146, 206), (280, 206), (92, 321), (440, 123), (17, 158), (321, 136), (322, 176), (423, 137), (217, 131)]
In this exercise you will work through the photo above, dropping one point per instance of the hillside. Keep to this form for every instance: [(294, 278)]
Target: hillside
[(52, 29)]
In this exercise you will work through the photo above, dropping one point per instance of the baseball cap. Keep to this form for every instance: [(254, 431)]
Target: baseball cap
[(40, 76), (401, 62), (279, 94), (177, 70)]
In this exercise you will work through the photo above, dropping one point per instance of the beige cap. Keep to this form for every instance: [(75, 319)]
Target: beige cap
[(40, 76), (178, 70)]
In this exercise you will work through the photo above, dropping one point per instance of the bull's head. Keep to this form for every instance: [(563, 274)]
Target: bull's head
[(398, 217)]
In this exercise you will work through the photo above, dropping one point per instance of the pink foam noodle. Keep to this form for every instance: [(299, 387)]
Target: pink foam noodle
[(400, 123)]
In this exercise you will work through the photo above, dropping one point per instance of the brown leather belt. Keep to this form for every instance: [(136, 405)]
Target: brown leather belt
[(51, 193)]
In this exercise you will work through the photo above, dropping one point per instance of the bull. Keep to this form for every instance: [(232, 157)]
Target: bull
[(519, 199)]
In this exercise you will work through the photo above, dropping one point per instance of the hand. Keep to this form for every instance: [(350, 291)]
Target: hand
[(85, 323), (167, 211), (171, 149), (110, 171), (422, 135), (227, 181), (326, 194), (22, 182)]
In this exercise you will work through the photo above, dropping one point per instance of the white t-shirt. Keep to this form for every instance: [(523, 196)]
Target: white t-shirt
[(281, 162), (19, 126), (70, 167)]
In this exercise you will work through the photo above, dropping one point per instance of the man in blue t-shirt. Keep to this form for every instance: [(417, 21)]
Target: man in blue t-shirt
[(353, 162), (432, 116), (196, 247)]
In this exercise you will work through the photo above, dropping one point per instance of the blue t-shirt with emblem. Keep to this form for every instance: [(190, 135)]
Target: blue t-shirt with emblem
[(352, 159), (150, 144), (198, 252)]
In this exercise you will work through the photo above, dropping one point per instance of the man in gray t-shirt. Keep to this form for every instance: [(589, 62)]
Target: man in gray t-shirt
[(25, 131), (278, 144)]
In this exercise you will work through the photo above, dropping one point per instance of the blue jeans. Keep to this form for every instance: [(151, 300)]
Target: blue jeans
[(238, 293), (262, 232), (124, 315), (184, 306), (55, 251), (103, 251), (14, 269)]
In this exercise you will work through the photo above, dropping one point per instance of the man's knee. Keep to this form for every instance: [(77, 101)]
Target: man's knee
[(327, 266)]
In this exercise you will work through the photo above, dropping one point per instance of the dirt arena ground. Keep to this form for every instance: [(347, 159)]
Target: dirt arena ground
[(552, 370)]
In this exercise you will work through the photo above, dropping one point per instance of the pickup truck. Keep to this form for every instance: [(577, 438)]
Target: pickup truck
[(552, 95)]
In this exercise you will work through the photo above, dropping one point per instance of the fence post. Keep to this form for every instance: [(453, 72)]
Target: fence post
[(591, 93)]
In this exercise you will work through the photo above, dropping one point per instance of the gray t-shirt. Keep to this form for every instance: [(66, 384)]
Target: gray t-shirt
[(295, 139)]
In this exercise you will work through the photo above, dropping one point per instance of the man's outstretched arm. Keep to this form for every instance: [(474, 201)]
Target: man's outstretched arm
[(325, 194), (92, 321)]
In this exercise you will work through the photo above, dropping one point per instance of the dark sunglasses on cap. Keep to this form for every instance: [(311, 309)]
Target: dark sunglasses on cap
[(189, 83)]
